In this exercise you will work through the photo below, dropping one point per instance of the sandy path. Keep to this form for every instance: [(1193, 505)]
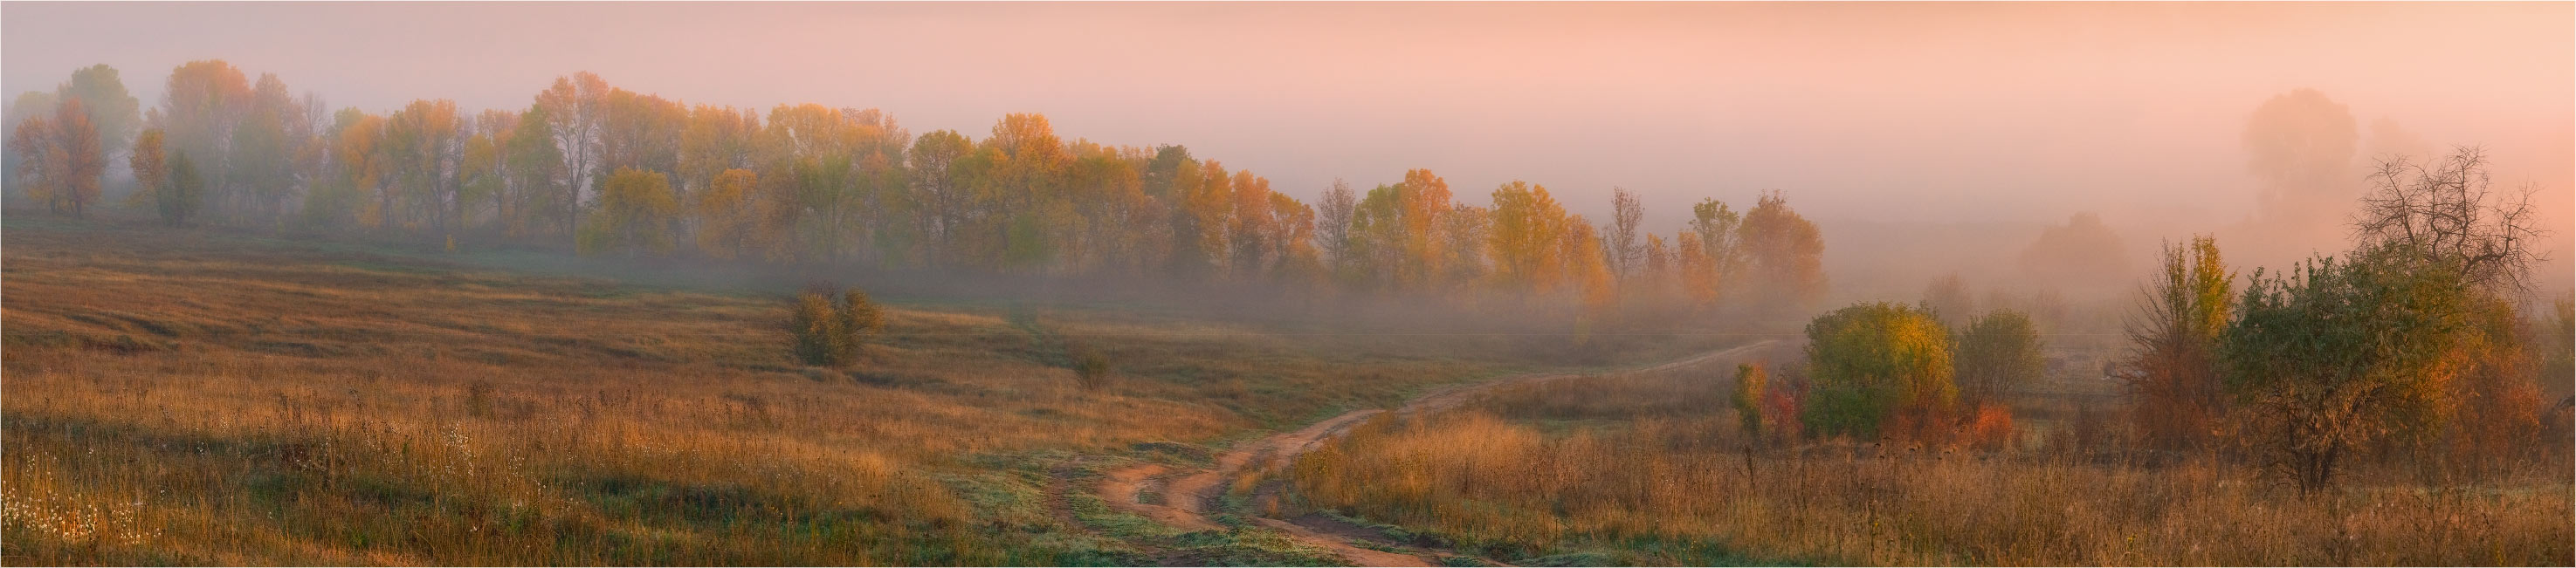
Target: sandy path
[(1187, 497)]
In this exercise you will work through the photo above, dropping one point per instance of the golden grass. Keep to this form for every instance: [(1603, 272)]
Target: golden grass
[(1674, 486), (198, 398)]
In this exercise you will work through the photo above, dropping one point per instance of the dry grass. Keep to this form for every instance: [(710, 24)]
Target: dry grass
[(1673, 485), (198, 398)]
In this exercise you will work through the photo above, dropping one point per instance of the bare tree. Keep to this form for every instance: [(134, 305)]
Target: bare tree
[(1333, 221), (2444, 212), (1626, 214)]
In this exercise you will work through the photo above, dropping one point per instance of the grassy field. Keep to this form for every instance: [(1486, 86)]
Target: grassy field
[(1653, 470), (199, 397)]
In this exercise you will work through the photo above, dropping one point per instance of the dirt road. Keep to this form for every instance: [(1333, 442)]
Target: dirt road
[(1188, 497)]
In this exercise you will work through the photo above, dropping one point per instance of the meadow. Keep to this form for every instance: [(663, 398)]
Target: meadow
[(1655, 470), (208, 397)]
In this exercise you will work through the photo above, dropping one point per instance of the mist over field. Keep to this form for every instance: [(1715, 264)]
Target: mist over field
[(1908, 123), (1288, 283)]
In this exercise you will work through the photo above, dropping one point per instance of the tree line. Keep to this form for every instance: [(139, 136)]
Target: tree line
[(603, 170)]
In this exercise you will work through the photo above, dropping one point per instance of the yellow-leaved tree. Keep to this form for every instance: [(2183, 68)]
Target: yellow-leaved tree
[(636, 215)]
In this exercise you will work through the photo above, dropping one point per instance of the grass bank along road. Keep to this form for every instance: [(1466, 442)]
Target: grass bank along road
[(1188, 497)]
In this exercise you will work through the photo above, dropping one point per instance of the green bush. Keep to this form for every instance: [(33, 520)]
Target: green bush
[(1872, 361), (1998, 353)]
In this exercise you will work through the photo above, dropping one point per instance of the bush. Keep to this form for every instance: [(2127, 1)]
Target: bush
[(1990, 427), (1871, 361), (1750, 382), (829, 333), (2173, 370), (1998, 353), (1091, 368)]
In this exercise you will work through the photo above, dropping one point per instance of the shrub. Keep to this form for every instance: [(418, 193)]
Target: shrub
[(1780, 409), (1870, 361), (2173, 373), (1990, 427), (1750, 381), (814, 325), (829, 333), (1998, 353), (1091, 368)]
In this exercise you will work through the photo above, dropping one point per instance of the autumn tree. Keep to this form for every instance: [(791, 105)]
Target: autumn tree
[(59, 159), (942, 199), (716, 141), (1527, 227), (543, 202), (263, 149), (635, 215), (575, 110), (1696, 270), (78, 157), (640, 131), (1377, 239), (1784, 253), (1422, 201), (1721, 233), (1655, 266), (1462, 234), (1209, 206), (1115, 227), (2443, 216), (483, 168), (2336, 354), (1586, 271), (151, 167), (423, 143), (1290, 240), (30, 105), (357, 193), (729, 219), (31, 144), (201, 105), (110, 109), (179, 198)]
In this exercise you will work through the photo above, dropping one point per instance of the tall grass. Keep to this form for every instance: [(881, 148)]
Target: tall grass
[(1547, 471)]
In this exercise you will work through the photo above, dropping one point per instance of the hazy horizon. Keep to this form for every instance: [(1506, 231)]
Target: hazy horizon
[(1868, 114)]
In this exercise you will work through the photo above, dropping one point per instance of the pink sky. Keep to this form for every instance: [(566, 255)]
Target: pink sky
[(1926, 112)]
